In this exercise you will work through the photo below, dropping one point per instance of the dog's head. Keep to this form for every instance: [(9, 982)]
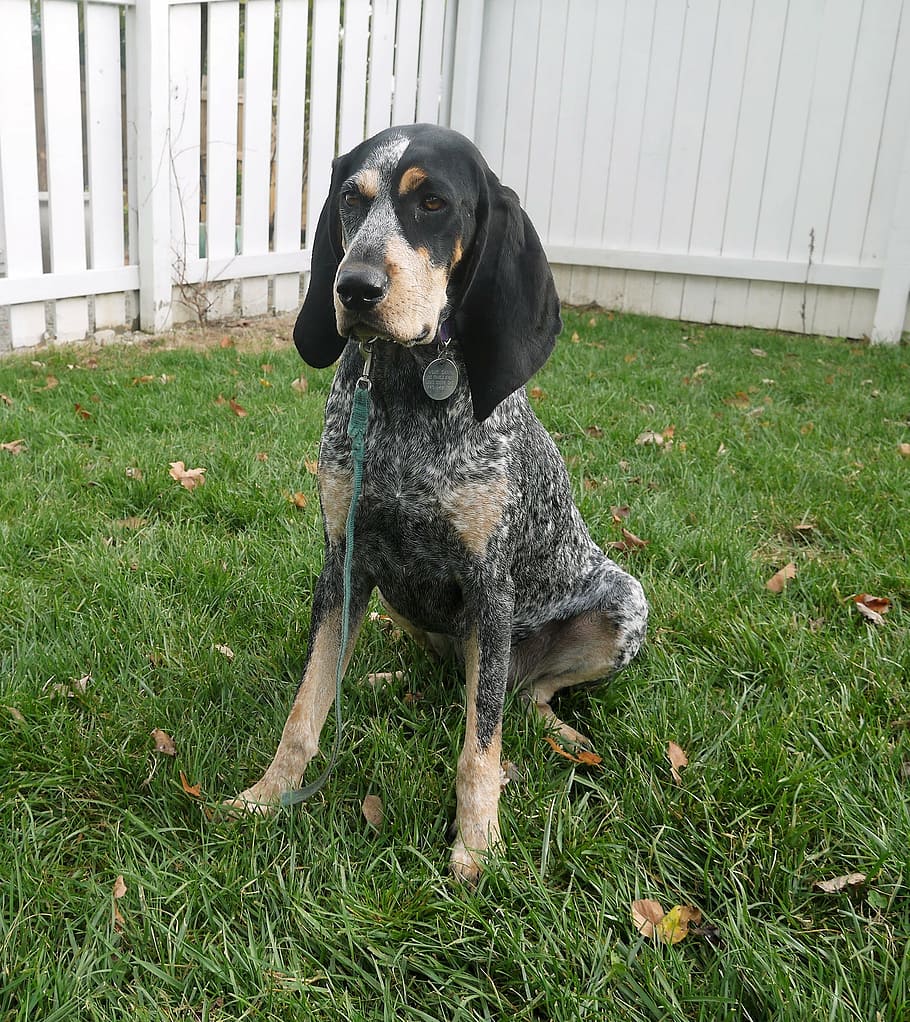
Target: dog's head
[(416, 229)]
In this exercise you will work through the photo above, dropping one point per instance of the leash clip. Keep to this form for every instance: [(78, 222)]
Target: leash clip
[(366, 352)]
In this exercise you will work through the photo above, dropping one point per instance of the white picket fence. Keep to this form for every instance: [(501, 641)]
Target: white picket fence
[(738, 161)]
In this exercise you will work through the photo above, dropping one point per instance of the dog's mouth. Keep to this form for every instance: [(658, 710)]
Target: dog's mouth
[(364, 329)]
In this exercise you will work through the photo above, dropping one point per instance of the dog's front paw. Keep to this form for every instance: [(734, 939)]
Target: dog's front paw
[(471, 848), (260, 799)]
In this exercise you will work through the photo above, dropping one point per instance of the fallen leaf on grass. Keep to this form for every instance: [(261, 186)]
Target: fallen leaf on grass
[(237, 409), (16, 714), (117, 892), (836, 884), (312, 466), (508, 772), (187, 477), (134, 473), (594, 431), (375, 678), (537, 393), (49, 383), (77, 687), (164, 744), (671, 927), (301, 385), (778, 581), (584, 756), (629, 542), (871, 607), (224, 650), (903, 449), (759, 352), (619, 513), (13, 446), (131, 523), (372, 810), (83, 413), (649, 437), (193, 790), (677, 759), (8, 401), (299, 499)]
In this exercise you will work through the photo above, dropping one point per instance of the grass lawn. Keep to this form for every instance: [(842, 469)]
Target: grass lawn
[(791, 707)]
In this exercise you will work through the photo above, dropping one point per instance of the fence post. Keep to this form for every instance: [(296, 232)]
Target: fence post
[(466, 67), (891, 307), (153, 163)]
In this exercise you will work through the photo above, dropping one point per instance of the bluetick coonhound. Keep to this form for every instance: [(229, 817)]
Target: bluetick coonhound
[(466, 522)]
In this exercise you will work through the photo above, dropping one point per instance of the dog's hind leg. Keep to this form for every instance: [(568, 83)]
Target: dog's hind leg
[(592, 643), (300, 737)]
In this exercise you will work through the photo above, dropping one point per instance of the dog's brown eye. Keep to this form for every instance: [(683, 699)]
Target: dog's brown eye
[(432, 203), (352, 199)]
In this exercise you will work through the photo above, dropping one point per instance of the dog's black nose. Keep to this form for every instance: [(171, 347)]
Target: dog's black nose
[(360, 286)]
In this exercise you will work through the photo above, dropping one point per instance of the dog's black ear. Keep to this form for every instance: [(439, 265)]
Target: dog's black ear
[(508, 318), (315, 332)]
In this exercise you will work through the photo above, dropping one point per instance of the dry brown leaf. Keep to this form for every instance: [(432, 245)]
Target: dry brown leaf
[(674, 926), (187, 477), (7, 400), (311, 466), (629, 542), (759, 352), (619, 513), (375, 678), (262, 456), (537, 393), (584, 756), (649, 437), (299, 499), (13, 446), (871, 607), (372, 810), (164, 744), (227, 342), (237, 409), (301, 384), (778, 581), (16, 714), (194, 790), (49, 383), (508, 772), (903, 449), (117, 892), (82, 412), (133, 473), (678, 759), (143, 379), (594, 431), (841, 883), (224, 650), (646, 915)]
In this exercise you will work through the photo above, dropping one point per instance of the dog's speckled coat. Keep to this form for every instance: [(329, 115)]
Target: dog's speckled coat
[(466, 522)]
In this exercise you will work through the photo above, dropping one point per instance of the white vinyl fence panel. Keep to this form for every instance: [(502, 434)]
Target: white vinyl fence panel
[(736, 161)]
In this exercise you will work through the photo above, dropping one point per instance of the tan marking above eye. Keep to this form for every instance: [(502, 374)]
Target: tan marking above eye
[(412, 178), (367, 182), (457, 253)]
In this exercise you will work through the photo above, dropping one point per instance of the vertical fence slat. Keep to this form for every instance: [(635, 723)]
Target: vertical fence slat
[(289, 146), (259, 39), (429, 75), (18, 167), (150, 38), (353, 102), (323, 96), (65, 186), (221, 101), (526, 27), (382, 55), (190, 299), (494, 82), (105, 152), (407, 53), (754, 127)]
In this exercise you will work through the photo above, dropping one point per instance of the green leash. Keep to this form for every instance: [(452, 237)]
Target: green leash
[(357, 431)]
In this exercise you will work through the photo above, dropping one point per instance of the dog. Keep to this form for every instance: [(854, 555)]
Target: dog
[(466, 523)]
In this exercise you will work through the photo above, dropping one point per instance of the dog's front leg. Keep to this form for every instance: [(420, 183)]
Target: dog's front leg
[(300, 737), (478, 778)]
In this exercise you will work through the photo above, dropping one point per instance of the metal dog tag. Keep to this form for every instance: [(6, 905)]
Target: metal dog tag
[(440, 378)]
